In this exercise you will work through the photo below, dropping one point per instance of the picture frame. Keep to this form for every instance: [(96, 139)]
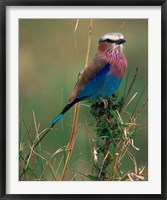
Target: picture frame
[(3, 111)]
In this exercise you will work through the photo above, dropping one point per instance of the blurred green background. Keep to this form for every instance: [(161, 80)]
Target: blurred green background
[(48, 68)]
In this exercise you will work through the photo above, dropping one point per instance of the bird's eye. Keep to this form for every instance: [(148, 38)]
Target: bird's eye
[(110, 41)]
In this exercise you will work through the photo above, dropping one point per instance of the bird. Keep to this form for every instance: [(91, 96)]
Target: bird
[(102, 77)]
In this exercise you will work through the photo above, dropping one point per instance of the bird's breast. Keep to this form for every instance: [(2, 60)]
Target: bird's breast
[(118, 66), (117, 61)]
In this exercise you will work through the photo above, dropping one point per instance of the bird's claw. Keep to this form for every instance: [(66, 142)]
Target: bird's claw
[(105, 102), (112, 100)]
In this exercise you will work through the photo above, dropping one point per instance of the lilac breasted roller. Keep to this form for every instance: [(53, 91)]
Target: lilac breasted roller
[(102, 77)]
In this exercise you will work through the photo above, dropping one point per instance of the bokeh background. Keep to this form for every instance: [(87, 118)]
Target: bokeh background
[(49, 64)]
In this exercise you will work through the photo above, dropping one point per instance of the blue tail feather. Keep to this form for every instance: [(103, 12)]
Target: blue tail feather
[(57, 119), (66, 108)]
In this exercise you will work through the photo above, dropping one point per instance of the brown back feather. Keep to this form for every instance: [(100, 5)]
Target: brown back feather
[(88, 74)]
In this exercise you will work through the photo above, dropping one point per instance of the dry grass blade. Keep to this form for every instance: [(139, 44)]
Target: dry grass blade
[(37, 130), (28, 157), (47, 130), (75, 29), (58, 151), (44, 169), (132, 157), (87, 164), (76, 112), (90, 143), (141, 107), (124, 150), (35, 144), (122, 25), (105, 158), (71, 141), (84, 175), (59, 165), (46, 161), (133, 97), (132, 144), (114, 168), (35, 123), (130, 87), (125, 176), (89, 42)]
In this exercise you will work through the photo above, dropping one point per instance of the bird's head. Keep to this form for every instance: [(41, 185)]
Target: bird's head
[(111, 42)]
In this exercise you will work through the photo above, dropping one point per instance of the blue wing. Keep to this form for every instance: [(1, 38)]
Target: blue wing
[(102, 85)]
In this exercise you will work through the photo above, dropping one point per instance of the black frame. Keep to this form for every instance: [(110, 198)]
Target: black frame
[(3, 5)]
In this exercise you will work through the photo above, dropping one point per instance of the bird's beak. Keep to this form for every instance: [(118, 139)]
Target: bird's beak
[(121, 41)]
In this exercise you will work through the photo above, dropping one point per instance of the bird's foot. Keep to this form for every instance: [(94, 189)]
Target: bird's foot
[(105, 102), (112, 100)]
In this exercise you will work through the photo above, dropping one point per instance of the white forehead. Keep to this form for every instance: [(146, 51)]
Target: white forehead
[(112, 36)]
